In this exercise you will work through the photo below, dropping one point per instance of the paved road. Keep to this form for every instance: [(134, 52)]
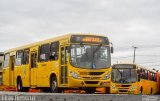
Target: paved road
[(21, 96)]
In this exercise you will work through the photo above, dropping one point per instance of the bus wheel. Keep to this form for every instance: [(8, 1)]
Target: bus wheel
[(19, 85), (107, 90), (90, 91), (25, 89), (141, 90), (151, 90), (53, 85)]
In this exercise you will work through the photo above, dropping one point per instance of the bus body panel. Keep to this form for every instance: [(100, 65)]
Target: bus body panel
[(6, 76)]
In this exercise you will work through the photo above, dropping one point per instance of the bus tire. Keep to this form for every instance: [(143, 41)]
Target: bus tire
[(107, 90), (90, 91), (151, 90), (25, 89), (54, 85), (141, 90), (19, 84)]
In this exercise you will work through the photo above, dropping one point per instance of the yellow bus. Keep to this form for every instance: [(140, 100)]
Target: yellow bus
[(134, 79), (72, 61)]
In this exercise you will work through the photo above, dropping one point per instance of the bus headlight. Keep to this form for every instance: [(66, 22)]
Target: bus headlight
[(107, 76), (74, 75), (133, 88)]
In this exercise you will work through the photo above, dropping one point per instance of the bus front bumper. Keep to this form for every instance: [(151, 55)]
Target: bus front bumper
[(76, 83), (123, 91)]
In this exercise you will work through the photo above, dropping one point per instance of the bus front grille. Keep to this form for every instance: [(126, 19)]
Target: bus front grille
[(123, 85), (91, 82), (123, 90), (91, 73), (126, 85), (91, 78), (96, 73)]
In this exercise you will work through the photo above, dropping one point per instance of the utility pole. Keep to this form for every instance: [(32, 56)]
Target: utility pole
[(134, 54)]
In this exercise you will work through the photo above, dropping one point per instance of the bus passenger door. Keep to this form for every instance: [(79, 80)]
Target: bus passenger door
[(11, 69), (64, 66), (33, 68)]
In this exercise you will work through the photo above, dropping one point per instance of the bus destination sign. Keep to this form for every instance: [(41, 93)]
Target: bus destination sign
[(124, 66), (92, 39), (89, 39)]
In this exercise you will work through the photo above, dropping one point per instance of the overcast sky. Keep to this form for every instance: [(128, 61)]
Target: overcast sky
[(127, 23)]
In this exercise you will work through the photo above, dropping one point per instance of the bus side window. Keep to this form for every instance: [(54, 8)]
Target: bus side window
[(66, 52), (139, 76), (6, 60), (19, 58), (26, 57), (140, 73), (44, 53), (150, 76), (155, 77), (54, 51), (146, 74)]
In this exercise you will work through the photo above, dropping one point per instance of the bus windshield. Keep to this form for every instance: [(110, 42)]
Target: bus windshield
[(90, 56), (120, 75)]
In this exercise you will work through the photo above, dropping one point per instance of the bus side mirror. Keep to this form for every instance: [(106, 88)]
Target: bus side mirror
[(112, 50)]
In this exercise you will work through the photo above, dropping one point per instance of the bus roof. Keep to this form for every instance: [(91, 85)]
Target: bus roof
[(49, 41), (146, 68)]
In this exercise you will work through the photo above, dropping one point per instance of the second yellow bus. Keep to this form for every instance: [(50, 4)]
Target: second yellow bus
[(134, 79)]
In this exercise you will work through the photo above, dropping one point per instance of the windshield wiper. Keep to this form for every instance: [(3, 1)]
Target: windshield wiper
[(97, 49)]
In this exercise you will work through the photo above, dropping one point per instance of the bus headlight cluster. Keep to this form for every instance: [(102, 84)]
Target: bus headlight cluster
[(74, 75), (133, 88), (107, 76)]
